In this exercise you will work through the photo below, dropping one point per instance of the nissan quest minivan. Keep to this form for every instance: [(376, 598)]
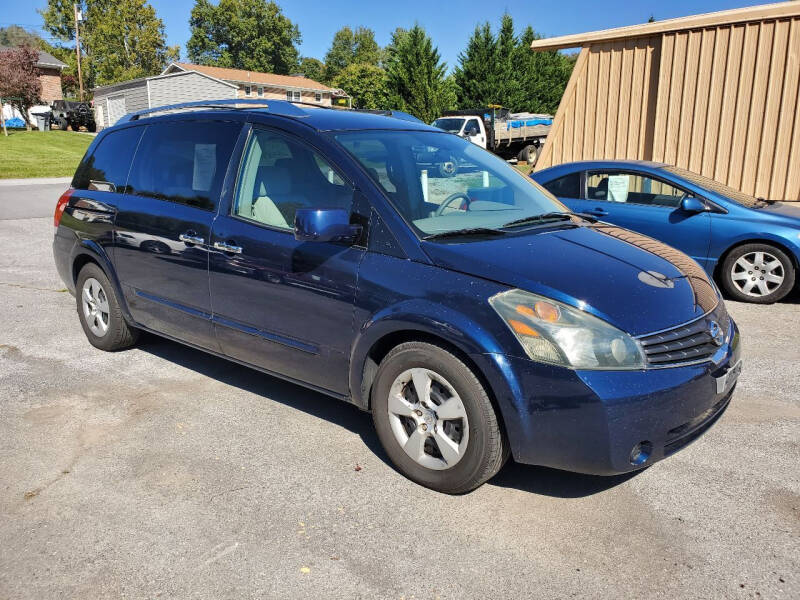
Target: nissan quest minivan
[(401, 268)]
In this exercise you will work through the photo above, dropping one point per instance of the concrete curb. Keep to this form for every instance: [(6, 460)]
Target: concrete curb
[(36, 181)]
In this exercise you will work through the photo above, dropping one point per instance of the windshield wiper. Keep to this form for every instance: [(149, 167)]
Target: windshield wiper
[(549, 216), (463, 232)]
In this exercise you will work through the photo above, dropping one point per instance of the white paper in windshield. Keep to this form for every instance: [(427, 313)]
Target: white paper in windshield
[(618, 188)]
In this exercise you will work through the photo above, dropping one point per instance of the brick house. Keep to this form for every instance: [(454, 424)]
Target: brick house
[(252, 84), (49, 68)]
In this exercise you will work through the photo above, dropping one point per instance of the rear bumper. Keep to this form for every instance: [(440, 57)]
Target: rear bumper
[(591, 421)]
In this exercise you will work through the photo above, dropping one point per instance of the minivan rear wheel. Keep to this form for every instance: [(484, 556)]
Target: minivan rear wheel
[(758, 273), (99, 311), (435, 419)]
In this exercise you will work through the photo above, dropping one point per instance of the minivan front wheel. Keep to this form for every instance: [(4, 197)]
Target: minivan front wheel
[(757, 273), (99, 311), (435, 419)]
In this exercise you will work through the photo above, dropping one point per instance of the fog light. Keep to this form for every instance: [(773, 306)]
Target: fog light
[(641, 452)]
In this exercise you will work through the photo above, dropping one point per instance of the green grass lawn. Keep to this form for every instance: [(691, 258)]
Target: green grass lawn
[(41, 153)]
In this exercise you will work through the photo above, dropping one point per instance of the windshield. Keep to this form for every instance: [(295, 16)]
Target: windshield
[(450, 125), (717, 187), (440, 182)]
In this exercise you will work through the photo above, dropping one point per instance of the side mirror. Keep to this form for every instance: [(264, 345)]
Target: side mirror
[(693, 205), (324, 225)]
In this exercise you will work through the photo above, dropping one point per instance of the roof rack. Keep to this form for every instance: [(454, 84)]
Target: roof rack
[(278, 107), (397, 114)]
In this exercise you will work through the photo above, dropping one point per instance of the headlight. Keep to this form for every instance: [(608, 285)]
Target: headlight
[(558, 334)]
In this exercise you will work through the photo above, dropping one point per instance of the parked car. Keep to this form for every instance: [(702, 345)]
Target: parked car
[(73, 114), (475, 318), (751, 245)]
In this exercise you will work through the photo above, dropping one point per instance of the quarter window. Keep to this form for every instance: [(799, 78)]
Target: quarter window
[(280, 175), (632, 188), (106, 169), (183, 162)]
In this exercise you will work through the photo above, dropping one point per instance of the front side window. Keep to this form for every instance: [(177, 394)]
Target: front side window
[(439, 182), (631, 188), (106, 170), (280, 175), (183, 162)]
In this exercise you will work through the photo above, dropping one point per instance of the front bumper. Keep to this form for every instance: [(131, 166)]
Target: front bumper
[(591, 421)]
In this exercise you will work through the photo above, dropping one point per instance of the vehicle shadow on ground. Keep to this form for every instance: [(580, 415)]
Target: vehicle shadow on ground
[(536, 480)]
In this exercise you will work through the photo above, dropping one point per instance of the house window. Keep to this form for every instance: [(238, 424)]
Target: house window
[(292, 96), (317, 97), (247, 90), (261, 92)]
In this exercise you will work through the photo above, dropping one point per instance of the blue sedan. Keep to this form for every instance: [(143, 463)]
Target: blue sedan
[(751, 245)]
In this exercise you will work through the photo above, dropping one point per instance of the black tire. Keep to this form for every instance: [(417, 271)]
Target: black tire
[(529, 154), (119, 334), (748, 250), (486, 449)]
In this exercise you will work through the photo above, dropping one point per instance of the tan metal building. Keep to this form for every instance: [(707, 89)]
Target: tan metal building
[(715, 93)]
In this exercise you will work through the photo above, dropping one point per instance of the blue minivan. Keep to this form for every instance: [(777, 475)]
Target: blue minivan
[(401, 268)]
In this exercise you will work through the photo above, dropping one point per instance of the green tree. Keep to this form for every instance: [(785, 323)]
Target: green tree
[(366, 85), (505, 78), (120, 39), (416, 76), (14, 35), (312, 68), (474, 75), (351, 47), (542, 76), (244, 34)]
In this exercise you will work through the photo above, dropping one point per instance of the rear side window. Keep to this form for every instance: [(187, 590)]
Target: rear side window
[(106, 169), (568, 186), (184, 162)]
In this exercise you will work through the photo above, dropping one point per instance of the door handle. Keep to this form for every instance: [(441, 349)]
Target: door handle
[(190, 237), (226, 247)]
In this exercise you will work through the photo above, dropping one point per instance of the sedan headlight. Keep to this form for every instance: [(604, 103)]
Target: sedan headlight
[(555, 333)]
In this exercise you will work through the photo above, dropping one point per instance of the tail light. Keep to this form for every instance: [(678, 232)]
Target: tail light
[(61, 205)]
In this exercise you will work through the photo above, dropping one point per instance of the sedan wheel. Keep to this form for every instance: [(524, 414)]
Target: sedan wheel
[(95, 307), (758, 273)]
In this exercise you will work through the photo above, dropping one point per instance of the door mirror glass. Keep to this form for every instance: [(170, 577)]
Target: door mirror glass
[(692, 204), (324, 225)]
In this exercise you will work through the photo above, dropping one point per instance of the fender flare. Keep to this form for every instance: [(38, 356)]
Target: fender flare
[(97, 254)]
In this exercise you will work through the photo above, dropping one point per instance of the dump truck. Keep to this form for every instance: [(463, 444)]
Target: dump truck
[(510, 135)]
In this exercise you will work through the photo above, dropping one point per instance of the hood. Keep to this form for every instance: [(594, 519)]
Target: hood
[(635, 283), (788, 212)]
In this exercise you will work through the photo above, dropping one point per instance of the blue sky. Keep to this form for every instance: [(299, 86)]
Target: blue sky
[(449, 23)]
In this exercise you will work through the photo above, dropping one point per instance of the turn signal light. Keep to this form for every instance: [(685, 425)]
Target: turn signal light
[(61, 205)]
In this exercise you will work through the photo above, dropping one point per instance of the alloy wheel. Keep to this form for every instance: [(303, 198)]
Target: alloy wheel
[(428, 418), (95, 307)]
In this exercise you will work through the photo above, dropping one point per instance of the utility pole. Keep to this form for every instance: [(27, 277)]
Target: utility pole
[(78, 18)]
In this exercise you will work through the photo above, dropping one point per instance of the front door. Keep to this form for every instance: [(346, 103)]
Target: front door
[(280, 304), (163, 226), (648, 205)]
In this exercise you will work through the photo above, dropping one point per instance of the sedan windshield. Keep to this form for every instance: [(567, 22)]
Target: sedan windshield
[(441, 183)]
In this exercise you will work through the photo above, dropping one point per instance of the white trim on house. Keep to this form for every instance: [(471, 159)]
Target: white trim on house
[(149, 103)]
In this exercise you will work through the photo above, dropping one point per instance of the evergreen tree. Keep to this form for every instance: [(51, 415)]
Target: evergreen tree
[(505, 78), (416, 76), (474, 76), (542, 76)]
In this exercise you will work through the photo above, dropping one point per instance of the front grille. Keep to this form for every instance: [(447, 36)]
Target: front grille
[(687, 343)]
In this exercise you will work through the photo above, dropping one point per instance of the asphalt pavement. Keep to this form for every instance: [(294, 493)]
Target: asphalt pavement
[(162, 471), (26, 198)]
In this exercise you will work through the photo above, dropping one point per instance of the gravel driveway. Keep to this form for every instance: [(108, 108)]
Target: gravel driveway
[(163, 471)]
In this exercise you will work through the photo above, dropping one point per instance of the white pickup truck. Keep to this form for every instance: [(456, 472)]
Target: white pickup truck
[(510, 135)]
